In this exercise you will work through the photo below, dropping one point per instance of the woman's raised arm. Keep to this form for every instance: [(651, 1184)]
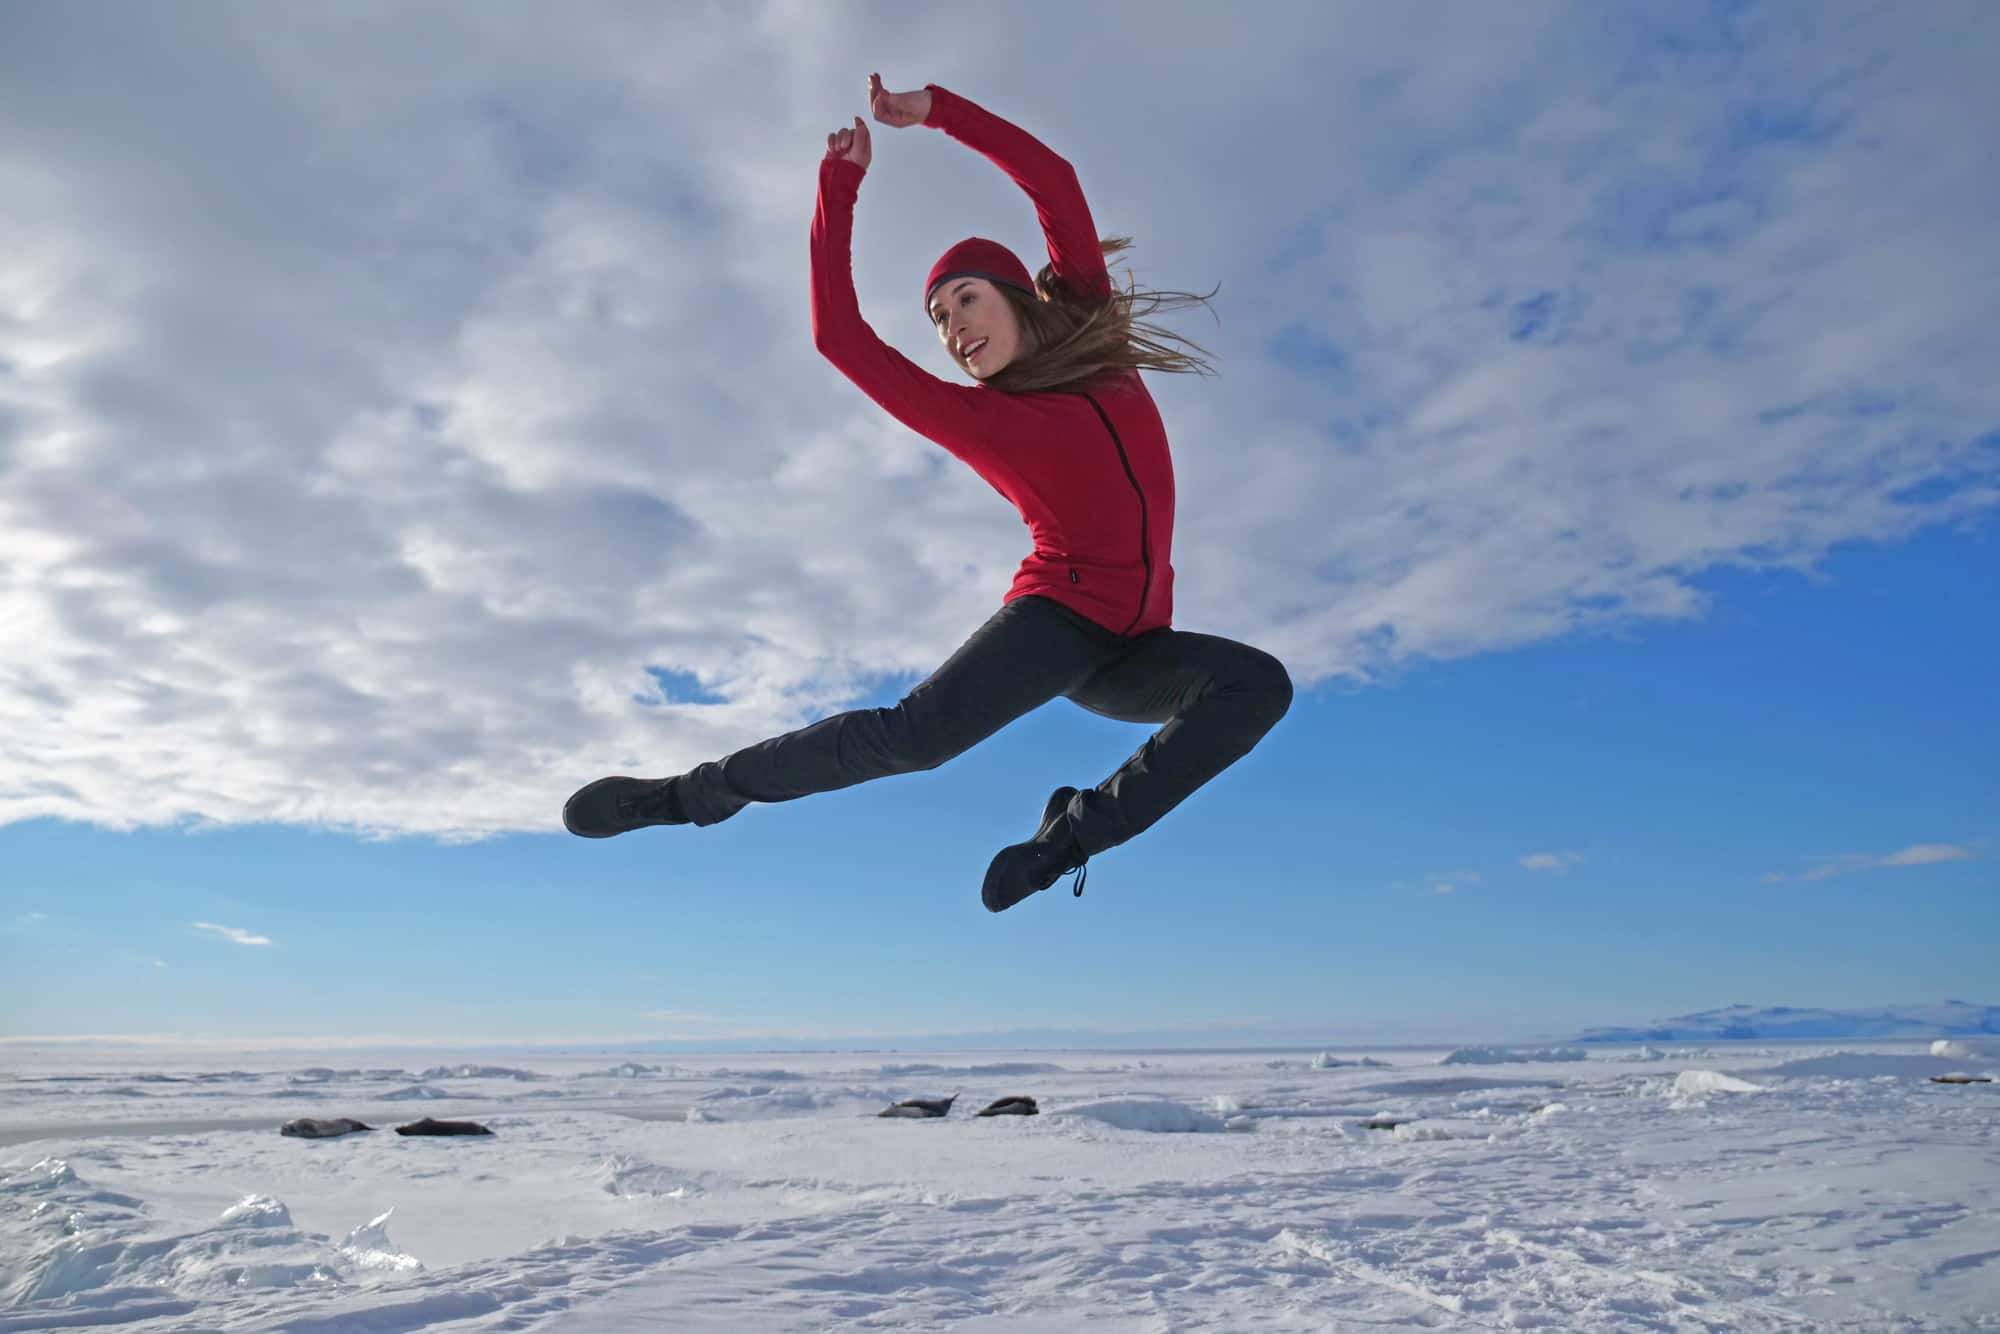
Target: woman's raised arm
[(945, 413), (1048, 178)]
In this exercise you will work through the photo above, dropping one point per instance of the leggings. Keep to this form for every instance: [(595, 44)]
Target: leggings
[(1215, 697)]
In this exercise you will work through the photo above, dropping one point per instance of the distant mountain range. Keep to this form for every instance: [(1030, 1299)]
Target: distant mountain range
[(1944, 1020)]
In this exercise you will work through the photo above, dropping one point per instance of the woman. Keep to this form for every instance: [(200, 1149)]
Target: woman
[(1059, 422)]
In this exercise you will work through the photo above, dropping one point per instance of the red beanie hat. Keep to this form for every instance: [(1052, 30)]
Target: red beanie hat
[(977, 257)]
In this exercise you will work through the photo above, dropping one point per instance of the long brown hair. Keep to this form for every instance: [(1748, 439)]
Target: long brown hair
[(1077, 340)]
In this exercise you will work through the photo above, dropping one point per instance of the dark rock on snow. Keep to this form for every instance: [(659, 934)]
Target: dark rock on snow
[(1383, 1123), (308, 1127), (429, 1127), (920, 1107), (1012, 1107)]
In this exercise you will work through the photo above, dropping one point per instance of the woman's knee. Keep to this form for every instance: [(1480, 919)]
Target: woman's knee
[(1270, 686), (920, 737)]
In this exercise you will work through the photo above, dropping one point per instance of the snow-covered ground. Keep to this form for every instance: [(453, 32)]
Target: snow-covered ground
[(1729, 1187)]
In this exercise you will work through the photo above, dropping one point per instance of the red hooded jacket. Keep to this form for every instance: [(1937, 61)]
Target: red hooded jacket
[(1090, 474)]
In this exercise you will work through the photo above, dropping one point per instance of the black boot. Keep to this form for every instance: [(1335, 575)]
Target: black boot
[(614, 805), (1030, 867)]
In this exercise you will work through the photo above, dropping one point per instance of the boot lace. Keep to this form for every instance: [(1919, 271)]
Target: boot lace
[(1082, 870), (1081, 866)]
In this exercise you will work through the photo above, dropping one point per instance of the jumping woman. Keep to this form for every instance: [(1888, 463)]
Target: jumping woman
[(1058, 421)]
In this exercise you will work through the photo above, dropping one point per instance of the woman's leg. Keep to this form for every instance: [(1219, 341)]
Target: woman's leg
[(1027, 653), (1217, 698)]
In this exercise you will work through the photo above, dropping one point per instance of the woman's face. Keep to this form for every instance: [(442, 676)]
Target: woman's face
[(976, 324)]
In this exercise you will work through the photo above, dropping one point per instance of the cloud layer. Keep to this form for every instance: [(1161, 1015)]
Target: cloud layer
[(234, 934), (405, 414), (1917, 854)]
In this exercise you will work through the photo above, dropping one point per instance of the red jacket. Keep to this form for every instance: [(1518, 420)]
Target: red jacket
[(1096, 491)]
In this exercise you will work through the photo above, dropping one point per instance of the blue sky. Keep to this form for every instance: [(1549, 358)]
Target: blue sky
[(1603, 440)]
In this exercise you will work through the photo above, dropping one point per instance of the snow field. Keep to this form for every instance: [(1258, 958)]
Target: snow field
[(1224, 1191)]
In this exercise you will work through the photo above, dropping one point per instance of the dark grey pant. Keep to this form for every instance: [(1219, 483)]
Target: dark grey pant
[(1216, 698)]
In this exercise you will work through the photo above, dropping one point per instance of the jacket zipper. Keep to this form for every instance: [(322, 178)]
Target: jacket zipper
[(1145, 533)]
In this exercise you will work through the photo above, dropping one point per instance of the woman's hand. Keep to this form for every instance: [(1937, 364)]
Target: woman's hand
[(901, 110), (850, 144)]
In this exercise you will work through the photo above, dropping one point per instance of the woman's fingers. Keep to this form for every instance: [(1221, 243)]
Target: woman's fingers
[(886, 106), (852, 143)]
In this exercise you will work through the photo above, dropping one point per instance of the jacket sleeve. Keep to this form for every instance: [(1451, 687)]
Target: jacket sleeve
[(1049, 181), (940, 411)]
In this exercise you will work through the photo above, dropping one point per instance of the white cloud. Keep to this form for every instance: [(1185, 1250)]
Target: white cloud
[(1917, 854), (1925, 854), (1452, 881), (159, 963), (383, 392), (1551, 861), (232, 933)]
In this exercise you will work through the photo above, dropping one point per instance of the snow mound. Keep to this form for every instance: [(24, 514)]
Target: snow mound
[(635, 1178), (85, 1257), (1459, 1084), (1474, 1125), (1424, 1130), (416, 1093), (322, 1074), (998, 1068), (1155, 1115), (1512, 1056), (478, 1072), (257, 1211), (763, 1101), (45, 1174), (1701, 1083)]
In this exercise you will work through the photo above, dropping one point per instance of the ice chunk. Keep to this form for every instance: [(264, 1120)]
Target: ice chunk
[(1157, 1115), (1701, 1083), (369, 1247), (1511, 1056)]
